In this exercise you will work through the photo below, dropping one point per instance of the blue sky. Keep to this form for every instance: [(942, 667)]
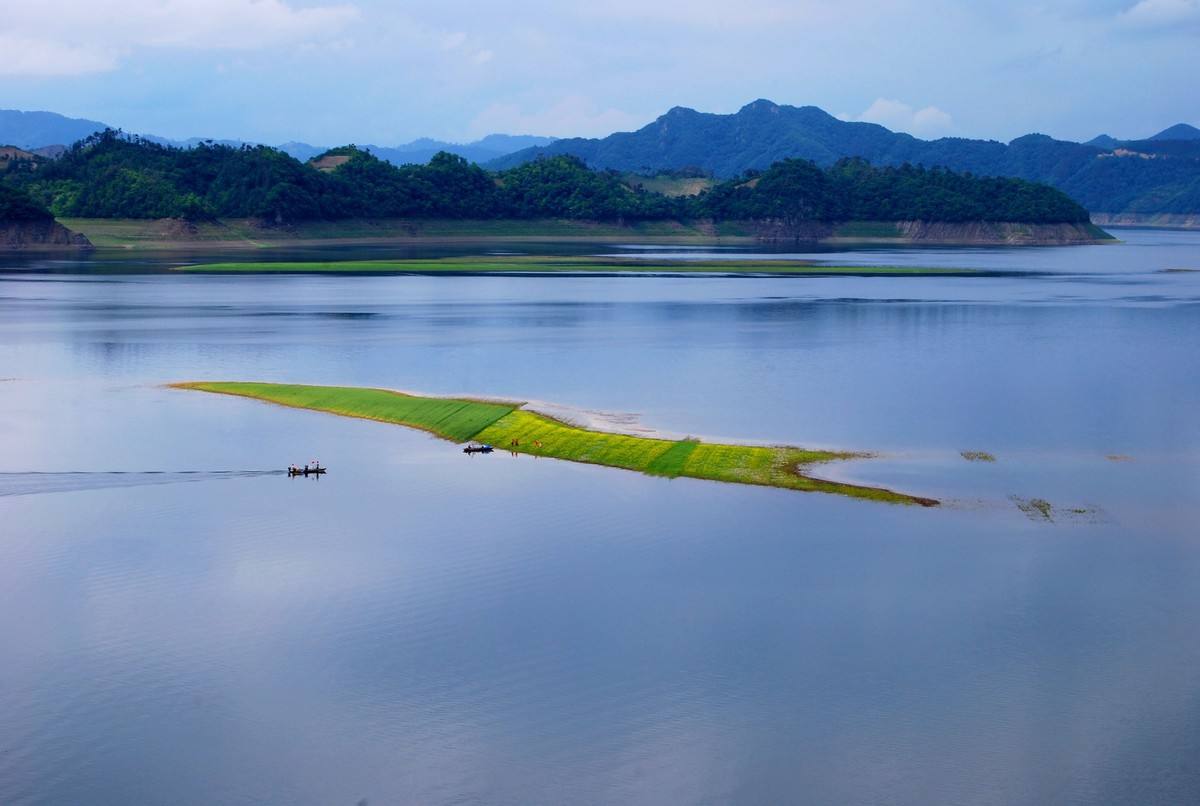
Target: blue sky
[(334, 71)]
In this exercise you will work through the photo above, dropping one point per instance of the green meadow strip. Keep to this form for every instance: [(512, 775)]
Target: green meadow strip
[(458, 420), (508, 426), (539, 264)]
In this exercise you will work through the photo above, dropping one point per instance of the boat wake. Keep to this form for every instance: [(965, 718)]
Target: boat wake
[(38, 482)]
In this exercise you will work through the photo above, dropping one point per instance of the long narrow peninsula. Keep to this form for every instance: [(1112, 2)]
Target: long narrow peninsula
[(548, 264), (512, 426)]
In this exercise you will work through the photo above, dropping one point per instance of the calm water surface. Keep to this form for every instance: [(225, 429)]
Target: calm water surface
[(181, 624)]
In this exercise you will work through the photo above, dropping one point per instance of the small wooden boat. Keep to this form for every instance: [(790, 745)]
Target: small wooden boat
[(306, 471), (473, 448)]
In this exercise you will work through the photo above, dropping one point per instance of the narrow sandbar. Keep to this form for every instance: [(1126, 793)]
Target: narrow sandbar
[(513, 427)]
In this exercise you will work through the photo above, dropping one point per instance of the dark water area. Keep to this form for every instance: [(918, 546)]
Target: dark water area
[(184, 624)]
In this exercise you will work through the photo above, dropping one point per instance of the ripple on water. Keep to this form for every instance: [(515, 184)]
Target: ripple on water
[(38, 482)]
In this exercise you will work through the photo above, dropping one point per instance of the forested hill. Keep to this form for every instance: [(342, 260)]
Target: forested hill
[(16, 206), (112, 176), (1147, 176), (852, 190)]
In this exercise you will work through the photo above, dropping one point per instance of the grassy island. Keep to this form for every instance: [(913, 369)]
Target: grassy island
[(556, 264), (510, 426)]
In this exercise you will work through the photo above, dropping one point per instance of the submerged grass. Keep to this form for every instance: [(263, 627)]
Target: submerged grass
[(507, 426), (537, 263), (1036, 509)]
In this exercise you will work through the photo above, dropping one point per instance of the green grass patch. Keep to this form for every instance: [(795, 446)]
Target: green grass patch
[(671, 185), (539, 435), (868, 229), (452, 418), (670, 462), (547, 264), (507, 426)]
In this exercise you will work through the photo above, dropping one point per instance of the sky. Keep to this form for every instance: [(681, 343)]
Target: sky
[(372, 71)]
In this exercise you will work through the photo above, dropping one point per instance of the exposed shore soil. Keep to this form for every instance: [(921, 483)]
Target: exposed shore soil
[(40, 235), (941, 233), (1156, 220)]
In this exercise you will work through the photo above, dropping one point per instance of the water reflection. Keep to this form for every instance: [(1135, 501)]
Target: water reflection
[(420, 627)]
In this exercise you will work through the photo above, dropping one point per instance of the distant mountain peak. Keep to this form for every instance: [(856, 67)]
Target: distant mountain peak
[(1033, 137), (1180, 131), (36, 129), (423, 142), (680, 111), (760, 105)]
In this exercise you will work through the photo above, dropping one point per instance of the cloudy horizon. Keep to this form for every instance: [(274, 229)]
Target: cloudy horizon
[(336, 71)]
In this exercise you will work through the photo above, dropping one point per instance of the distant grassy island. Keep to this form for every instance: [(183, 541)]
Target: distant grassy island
[(114, 177), (513, 427), (556, 264)]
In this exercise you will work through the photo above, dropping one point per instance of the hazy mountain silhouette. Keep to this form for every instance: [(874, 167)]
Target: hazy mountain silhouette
[(1143, 176), (41, 131)]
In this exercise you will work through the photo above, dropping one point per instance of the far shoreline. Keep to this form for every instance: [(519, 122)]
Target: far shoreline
[(250, 234)]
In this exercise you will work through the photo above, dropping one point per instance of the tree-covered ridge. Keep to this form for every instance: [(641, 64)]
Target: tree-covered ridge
[(110, 175), (852, 190), (16, 205)]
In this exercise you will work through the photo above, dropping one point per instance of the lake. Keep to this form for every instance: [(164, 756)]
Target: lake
[(183, 624)]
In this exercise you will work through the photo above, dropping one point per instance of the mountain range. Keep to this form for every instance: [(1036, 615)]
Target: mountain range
[(34, 130), (492, 147), (47, 133), (1160, 174), (1153, 176)]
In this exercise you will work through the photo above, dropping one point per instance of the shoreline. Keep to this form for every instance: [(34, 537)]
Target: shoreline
[(248, 234), (520, 429), (1164, 221)]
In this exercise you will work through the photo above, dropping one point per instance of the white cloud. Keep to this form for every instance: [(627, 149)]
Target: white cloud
[(27, 56), (483, 56), (66, 37), (571, 116), (1162, 14), (928, 121), (453, 40), (716, 14)]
